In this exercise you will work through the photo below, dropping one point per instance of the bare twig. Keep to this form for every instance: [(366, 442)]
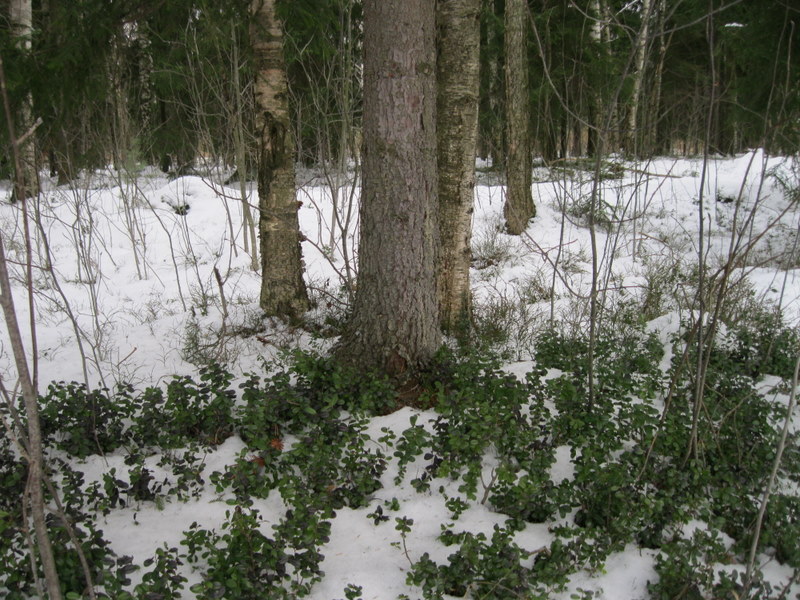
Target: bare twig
[(751, 561), (36, 458)]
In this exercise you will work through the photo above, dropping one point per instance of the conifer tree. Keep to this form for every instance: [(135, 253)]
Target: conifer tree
[(519, 207), (394, 327)]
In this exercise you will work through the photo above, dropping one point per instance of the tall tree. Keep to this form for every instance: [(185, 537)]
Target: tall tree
[(22, 28), (519, 207), (170, 136), (394, 327), (655, 108), (491, 110), (75, 51), (283, 291), (640, 47), (596, 31), (458, 68)]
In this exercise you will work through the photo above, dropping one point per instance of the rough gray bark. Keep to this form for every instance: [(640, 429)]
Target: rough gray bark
[(21, 26), (519, 207), (458, 24), (283, 291), (394, 327)]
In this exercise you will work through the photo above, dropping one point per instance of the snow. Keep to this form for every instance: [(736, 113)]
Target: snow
[(626, 575), (135, 261)]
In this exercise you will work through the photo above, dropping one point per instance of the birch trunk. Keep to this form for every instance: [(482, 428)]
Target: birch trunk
[(283, 291), (20, 14), (638, 76), (457, 130), (594, 144)]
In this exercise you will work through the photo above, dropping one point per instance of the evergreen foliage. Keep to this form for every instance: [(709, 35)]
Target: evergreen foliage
[(110, 78), (492, 440), (649, 460)]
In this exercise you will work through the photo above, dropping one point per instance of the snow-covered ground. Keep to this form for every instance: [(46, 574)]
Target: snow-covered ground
[(126, 289)]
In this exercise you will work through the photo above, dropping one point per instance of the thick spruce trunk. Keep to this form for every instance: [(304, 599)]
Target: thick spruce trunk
[(394, 327), (458, 24), (519, 207), (283, 292)]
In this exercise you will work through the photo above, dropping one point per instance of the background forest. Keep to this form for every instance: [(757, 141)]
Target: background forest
[(606, 408), (170, 83)]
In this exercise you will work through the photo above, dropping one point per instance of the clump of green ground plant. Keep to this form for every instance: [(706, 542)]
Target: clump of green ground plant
[(644, 469)]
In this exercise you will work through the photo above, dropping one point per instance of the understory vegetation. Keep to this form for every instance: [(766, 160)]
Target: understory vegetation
[(631, 467), (614, 415)]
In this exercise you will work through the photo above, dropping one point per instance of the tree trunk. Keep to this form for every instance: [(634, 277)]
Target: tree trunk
[(21, 26), (457, 130), (491, 132), (594, 144), (653, 143), (394, 327), (640, 57), (283, 292), (519, 207)]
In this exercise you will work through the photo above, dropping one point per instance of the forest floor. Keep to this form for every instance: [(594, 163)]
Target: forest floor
[(154, 278)]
